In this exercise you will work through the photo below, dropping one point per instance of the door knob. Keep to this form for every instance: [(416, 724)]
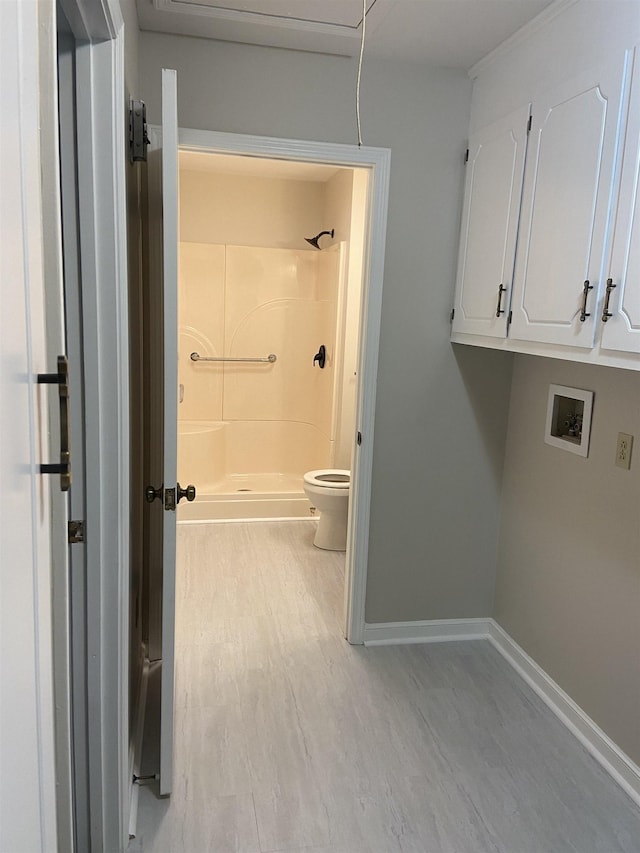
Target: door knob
[(150, 494), (320, 356), (189, 493)]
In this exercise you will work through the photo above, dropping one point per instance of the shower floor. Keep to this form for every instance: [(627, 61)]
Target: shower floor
[(248, 496)]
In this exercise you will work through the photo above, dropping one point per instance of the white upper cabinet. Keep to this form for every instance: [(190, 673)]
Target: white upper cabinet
[(567, 194), (486, 259), (621, 307)]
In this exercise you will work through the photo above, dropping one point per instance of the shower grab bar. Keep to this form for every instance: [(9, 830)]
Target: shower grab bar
[(268, 360)]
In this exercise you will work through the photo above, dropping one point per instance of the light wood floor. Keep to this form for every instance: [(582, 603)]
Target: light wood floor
[(287, 738)]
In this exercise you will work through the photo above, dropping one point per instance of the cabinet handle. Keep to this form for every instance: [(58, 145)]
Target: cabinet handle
[(605, 311), (500, 310), (61, 379), (585, 293)]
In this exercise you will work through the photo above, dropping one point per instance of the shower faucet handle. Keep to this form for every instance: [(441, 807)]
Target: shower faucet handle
[(320, 356)]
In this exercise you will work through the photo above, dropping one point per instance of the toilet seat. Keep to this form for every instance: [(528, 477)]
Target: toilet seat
[(329, 478)]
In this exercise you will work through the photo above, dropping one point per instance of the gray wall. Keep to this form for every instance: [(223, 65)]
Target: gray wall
[(131, 40), (441, 415), (568, 586)]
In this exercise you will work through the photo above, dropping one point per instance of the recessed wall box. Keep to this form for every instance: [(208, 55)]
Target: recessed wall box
[(569, 419)]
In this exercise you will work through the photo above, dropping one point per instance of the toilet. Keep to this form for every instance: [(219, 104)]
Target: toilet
[(328, 491)]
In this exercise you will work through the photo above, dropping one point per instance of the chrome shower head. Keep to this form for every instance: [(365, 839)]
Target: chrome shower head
[(313, 241)]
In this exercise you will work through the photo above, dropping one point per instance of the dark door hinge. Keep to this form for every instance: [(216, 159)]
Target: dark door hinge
[(452, 315), (75, 532), (509, 318), (466, 156), (529, 124), (359, 438), (138, 139)]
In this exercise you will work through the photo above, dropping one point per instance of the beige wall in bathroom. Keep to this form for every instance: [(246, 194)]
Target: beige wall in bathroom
[(346, 204), (243, 210), (338, 215), (338, 192)]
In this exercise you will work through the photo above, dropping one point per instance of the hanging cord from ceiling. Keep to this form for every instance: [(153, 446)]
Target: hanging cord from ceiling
[(364, 30)]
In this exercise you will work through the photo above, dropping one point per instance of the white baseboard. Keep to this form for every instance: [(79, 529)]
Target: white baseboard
[(623, 770), (619, 766), (433, 631)]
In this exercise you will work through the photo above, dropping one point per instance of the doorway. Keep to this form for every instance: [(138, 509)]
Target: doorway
[(161, 358), (350, 437), (251, 423)]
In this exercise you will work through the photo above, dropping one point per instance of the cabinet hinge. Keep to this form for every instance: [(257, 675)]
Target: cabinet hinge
[(466, 156), (75, 532), (138, 139), (529, 123), (509, 318), (452, 315), (359, 438)]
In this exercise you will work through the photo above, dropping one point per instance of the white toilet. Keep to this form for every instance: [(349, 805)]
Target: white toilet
[(328, 491)]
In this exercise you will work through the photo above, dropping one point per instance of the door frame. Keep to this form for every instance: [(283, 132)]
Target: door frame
[(100, 109), (378, 162)]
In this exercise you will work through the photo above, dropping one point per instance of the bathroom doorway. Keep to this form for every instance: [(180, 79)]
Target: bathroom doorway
[(268, 328), (254, 285)]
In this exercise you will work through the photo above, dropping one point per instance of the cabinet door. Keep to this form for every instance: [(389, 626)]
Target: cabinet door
[(493, 189), (621, 312), (565, 205)]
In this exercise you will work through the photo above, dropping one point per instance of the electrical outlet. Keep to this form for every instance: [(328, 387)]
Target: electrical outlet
[(623, 450)]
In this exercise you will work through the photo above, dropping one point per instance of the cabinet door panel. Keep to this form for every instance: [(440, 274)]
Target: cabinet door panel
[(566, 197), (489, 225), (621, 331)]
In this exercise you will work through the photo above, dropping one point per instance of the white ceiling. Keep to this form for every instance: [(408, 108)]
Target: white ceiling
[(453, 33)]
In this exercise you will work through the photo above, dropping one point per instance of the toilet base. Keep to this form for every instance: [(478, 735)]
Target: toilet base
[(331, 534)]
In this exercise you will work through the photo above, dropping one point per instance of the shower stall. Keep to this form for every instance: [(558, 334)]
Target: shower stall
[(256, 410)]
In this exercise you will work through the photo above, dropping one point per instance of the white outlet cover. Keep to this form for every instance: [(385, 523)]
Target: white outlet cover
[(628, 439)]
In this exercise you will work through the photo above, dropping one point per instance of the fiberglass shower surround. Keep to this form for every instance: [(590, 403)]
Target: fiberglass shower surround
[(249, 430)]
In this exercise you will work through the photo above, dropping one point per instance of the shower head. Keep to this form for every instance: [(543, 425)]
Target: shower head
[(314, 240)]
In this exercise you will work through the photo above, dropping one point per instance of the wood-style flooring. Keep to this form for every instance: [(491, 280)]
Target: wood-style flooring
[(289, 739)]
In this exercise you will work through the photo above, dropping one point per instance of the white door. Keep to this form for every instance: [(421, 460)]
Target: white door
[(27, 771), (566, 197), (621, 308), (493, 189), (162, 354), (170, 448)]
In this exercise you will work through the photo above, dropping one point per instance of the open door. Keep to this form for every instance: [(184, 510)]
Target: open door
[(161, 356), (170, 415)]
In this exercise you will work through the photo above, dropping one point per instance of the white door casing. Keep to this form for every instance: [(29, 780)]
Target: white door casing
[(493, 190), (377, 161), (567, 192), (100, 108)]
